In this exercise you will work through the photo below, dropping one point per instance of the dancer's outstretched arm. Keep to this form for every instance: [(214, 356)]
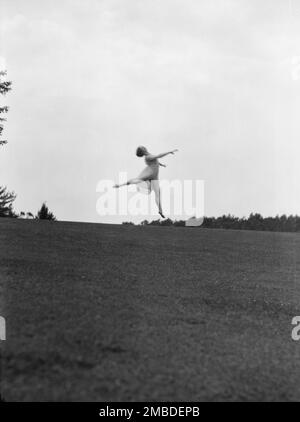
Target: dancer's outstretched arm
[(153, 157)]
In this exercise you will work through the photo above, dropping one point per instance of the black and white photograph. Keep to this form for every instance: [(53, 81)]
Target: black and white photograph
[(149, 204)]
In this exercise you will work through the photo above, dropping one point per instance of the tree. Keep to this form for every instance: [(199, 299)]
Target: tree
[(45, 214), (6, 200), (179, 223), (5, 86), (155, 223), (167, 222)]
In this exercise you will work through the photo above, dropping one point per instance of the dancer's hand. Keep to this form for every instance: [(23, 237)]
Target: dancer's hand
[(173, 152)]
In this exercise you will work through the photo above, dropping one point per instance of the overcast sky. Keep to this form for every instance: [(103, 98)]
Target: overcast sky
[(92, 79)]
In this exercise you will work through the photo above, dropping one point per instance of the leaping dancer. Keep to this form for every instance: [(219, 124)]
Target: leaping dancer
[(150, 174)]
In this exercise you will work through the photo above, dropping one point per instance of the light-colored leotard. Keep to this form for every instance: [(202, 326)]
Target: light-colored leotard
[(152, 170)]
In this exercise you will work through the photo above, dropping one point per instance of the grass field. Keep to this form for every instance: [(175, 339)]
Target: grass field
[(109, 313)]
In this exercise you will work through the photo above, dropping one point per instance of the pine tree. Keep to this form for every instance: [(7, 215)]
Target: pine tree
[(5, 86), (6, 200), (45, 214)]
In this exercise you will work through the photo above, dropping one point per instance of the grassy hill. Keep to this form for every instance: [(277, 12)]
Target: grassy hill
[(101, 312)]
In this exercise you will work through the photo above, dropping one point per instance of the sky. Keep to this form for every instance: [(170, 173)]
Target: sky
[(93, 79)]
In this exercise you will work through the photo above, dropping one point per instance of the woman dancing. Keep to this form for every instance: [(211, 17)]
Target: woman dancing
[(149, 174)]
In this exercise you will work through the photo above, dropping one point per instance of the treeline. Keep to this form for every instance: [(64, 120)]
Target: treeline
[(281, 223), (7, 199), (256, 221)]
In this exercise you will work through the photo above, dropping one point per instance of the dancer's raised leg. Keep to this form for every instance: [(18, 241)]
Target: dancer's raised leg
[(130, 182)]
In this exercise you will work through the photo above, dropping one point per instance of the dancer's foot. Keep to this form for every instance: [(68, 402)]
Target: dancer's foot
[(116, 186), (161, 214)]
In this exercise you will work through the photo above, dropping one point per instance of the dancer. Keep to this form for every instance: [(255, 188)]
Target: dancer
[(150, 174)]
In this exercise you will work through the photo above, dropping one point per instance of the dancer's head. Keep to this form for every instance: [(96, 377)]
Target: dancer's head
[(141, 151)]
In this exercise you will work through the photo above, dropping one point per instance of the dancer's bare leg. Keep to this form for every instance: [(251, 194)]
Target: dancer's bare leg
[(156, 188), (130, 182)]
